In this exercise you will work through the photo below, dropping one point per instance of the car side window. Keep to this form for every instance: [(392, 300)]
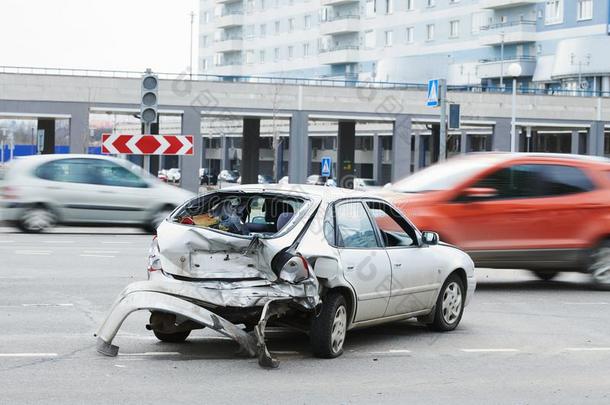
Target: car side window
[(353, 226), (519, 181), (111, 174), (394, 229), (558, 180), (66, 170)]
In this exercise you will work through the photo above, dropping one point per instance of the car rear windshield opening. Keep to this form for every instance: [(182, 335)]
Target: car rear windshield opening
[(261, 214)]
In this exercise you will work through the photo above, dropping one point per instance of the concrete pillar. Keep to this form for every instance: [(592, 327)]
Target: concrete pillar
[(299, 152), (346, 143), (250, 151), (595, 142), (401, 147), (79, 129), (189, 165), (500, 140), (377, 159), (225, 160), (463, 142), (417, 152), (575, 140), (48, 126), (433, 142)]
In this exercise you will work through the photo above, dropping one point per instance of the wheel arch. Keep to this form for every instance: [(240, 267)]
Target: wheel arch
[(350, 300)]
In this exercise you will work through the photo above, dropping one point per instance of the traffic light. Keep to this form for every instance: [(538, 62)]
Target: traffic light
[(149, 102)]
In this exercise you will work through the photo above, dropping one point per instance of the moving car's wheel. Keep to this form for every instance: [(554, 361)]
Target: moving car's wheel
[(599, 266), (545, 275), (157, 218), (36, 220), (177, 337), (328, 329), (449, 305)]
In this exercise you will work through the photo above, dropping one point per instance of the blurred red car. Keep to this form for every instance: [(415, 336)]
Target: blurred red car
[(542, 212)]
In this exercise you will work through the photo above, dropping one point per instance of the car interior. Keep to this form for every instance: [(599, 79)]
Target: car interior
[(249, 214)]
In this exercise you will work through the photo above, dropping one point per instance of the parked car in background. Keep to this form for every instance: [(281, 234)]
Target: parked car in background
[(162, 175), (320, 260), (206, 177), (41, 191), (365, 184), (228, 176), (542, 212), (173, 175), (318, 180), (262, 179)]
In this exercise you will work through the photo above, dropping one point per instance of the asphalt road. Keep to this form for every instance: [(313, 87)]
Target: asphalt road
[(521, 341)]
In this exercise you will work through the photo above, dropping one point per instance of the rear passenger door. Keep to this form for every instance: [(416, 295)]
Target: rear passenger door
[(365, 264)]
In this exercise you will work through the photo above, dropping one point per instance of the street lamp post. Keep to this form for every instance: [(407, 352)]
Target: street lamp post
[(192, 14), (580, 64), (514, 70)]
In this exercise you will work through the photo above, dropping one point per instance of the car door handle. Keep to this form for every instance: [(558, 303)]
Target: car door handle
[(350, 267), (397, 264)]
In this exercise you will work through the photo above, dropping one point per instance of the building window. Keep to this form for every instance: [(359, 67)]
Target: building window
[(389, 6), (206, 17), (553, 12), (410, 35), (430, 3), (430, 32), (290, 24), (454, 29), (249, 57), (388, 38), (205, 41), (277, 27), (263, 5), (307, 22), (410, 4), (290, 52), (276, 54), (585, 9), (306, 49), (371, 8), (369, 39), (263, 30), (204, 64), (261, 56)]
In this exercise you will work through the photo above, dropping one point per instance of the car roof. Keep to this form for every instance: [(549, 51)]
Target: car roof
[(505, 156), (36, 160), (328, 194)]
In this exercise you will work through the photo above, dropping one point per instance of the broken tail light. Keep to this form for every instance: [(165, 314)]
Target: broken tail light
[(154, 256), (295, 270)]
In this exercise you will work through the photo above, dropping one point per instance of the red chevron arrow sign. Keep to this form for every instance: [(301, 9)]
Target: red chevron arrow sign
[(147, 144)]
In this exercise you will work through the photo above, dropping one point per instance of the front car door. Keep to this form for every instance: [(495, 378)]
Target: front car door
[(415, 275), (365, 264)]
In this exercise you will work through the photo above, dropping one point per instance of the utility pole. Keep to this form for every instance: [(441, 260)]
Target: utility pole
[(192, 14), (442, 143)]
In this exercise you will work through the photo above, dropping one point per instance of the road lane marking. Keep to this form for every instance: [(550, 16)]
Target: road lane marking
[(489, 350), (152, 354), (33, 252), (28, 354), (101, 251), (115, 243), (96, 255), (392, 351), (586, 303), (58, 241), (588, 349), (48, 305)]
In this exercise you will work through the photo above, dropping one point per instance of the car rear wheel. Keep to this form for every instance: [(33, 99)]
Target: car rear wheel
[(177, 337), (599, 266), (449, 305), (36, 220), (546, 275), (328, 329), (157, 218)]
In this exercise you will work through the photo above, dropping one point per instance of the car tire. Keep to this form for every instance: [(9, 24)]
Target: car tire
[(599, 265), (328, 328), (36, 220), (546, 275), (449, 306), (177, 337)]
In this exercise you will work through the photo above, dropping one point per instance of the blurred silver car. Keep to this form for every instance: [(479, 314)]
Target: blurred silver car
[(38, 192), (321, 260)]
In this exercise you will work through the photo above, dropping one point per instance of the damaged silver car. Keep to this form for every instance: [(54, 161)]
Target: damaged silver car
[(320, 260)]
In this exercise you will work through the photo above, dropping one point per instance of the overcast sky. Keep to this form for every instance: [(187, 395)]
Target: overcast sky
[(97, 34)]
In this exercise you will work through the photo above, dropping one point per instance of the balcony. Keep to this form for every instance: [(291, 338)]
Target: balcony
[(337, 2), (499, 4), (341, 24), (228, 19), (508, 33), (494, 68), (232, 68), (339, 54), (229, 44)]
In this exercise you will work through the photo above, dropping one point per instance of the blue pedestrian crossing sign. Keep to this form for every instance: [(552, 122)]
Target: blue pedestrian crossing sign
[(325, 166), (433, 100)]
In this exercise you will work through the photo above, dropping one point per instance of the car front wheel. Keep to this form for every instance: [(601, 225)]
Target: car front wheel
[(449, 305), (177, 337), (328, 329), (599, 266)]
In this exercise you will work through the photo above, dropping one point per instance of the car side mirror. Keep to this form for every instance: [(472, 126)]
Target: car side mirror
[(480, 192), (429, 238)]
